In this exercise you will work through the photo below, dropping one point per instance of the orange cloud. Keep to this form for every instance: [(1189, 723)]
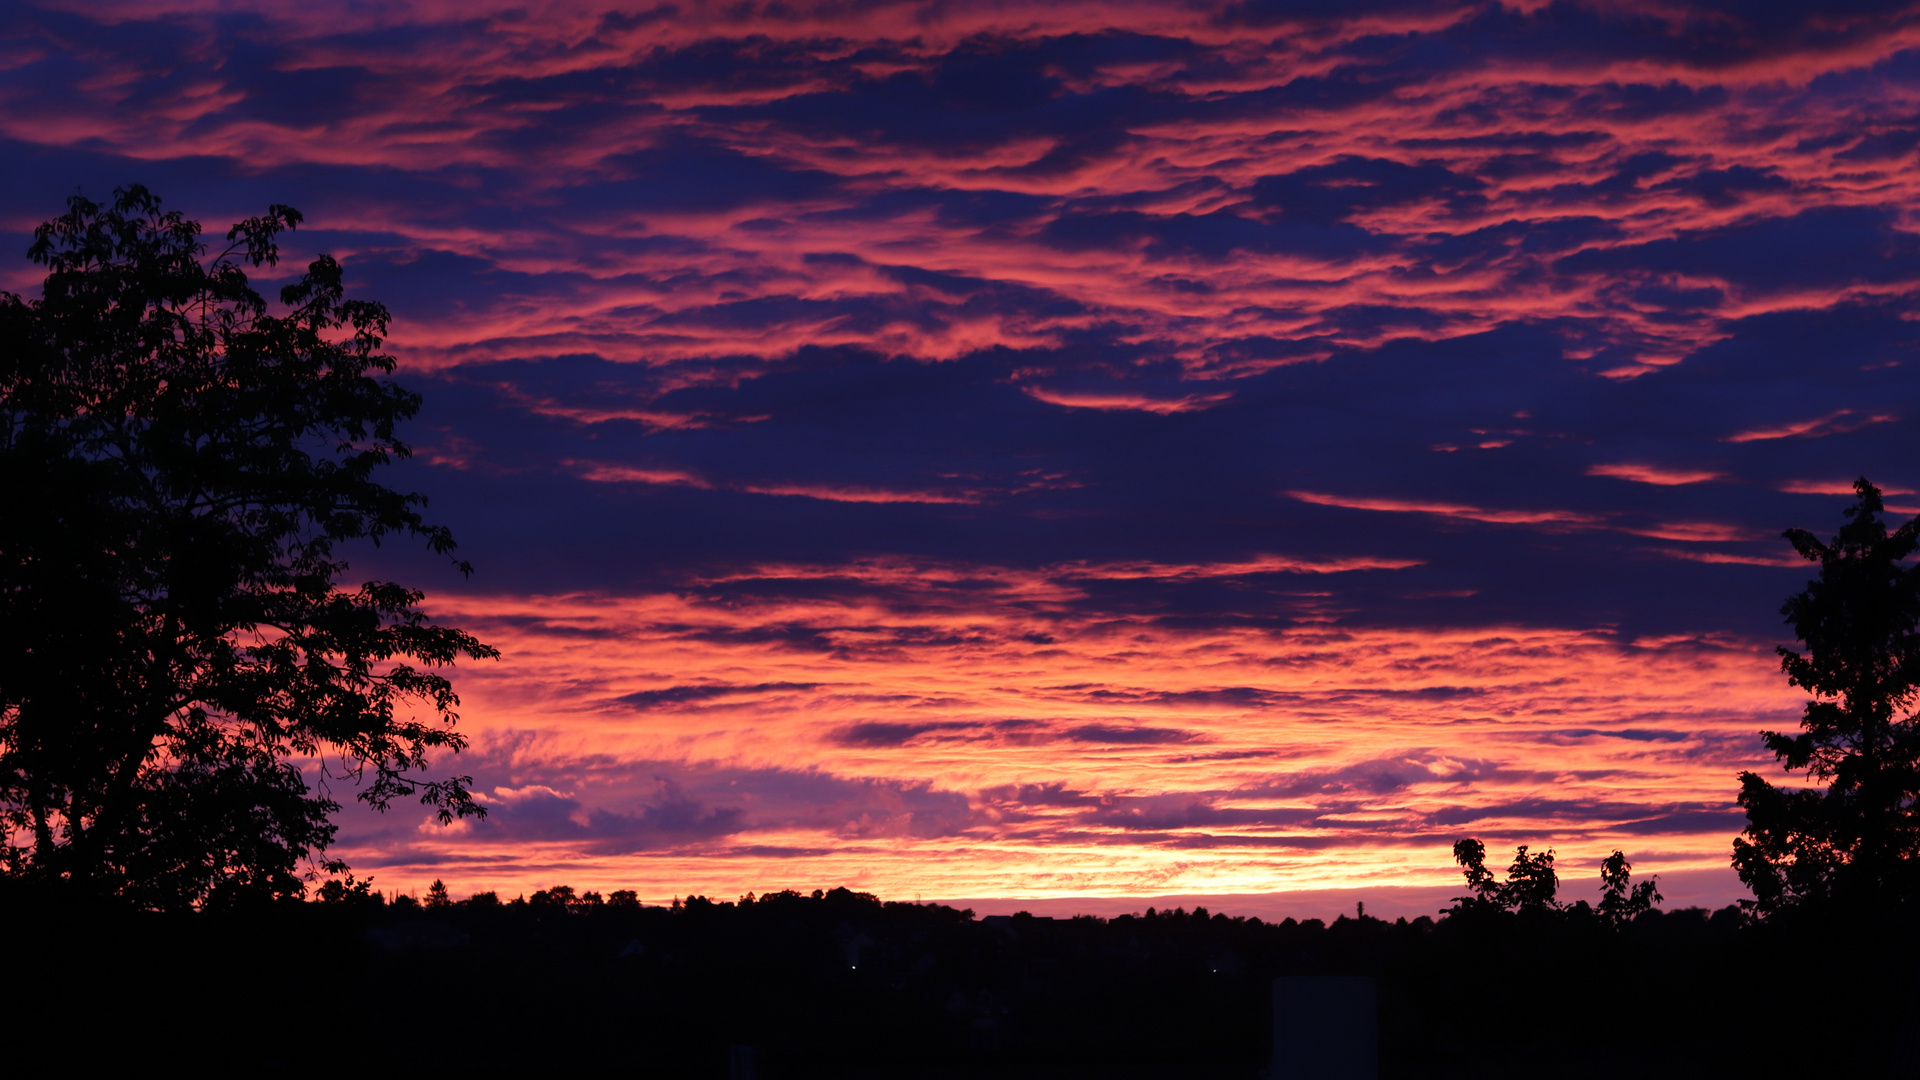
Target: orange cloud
[(964, 741)]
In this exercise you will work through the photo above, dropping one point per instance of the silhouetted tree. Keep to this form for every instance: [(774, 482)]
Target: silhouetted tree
[(1621, 901), (178, 465), (1471, 854), (1858, 840), (350, 890), (1531, 881), (437, 895)]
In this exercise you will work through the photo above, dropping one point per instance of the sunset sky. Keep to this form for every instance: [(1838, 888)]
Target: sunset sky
[(1072, 452)]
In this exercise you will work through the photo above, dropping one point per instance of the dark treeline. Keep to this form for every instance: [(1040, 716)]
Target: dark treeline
[(841, 984)]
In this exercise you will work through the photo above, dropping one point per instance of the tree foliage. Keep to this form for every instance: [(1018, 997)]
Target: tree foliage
[(1530, 885), (1621, 900), (1854, 836), (179, 466)]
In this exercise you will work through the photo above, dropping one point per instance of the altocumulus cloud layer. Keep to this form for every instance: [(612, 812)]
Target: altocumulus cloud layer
[(1102, 449)]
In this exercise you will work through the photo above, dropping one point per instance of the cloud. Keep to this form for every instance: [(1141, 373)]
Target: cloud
[(1731, 558), (685, 175), (1350, 185), (1127, 735), (858, 495), (1837, 422), (686, 695), (1465, 513), (673, 818), (1831, 487), (1692, 530), (1729, 186), (954, 448), (1209, 237), (1257, 564), (885, 734), (1654, 474), (621, 474), (1381, 776), (1162, 406), (1818, 248)]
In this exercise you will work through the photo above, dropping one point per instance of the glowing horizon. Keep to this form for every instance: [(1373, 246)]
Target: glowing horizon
[(993, 764)]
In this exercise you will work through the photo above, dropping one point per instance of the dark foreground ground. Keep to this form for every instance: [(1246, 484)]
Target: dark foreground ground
[(842, 985)]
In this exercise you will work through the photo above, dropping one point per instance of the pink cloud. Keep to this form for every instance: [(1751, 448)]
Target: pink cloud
[(1451, 510), (1832, 487), (623, 474), (1688, 531), (1838, 422), (1788, 559), (1261, 564), (1142, 403), (1693, 530), (857, 495), (1654, 474)]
